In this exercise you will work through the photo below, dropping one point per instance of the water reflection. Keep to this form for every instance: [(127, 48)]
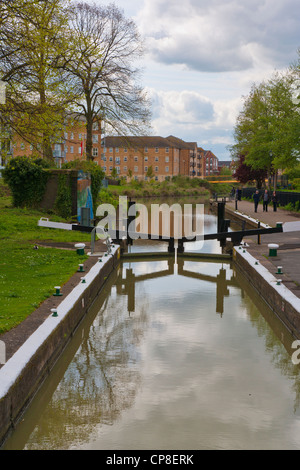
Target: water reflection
[(174, 355), (127, 284)]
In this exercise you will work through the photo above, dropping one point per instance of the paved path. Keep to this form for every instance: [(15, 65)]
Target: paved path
[(288, 254), (269, 217)]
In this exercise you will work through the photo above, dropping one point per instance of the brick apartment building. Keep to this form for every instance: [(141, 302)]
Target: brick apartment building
[(132, 157), (140, 157)]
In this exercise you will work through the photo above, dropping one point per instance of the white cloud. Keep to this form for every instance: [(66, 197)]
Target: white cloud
[(189, 114), (203, 57), (220, 36)]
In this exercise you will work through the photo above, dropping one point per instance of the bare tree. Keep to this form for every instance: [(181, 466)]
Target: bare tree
[(101, 71)]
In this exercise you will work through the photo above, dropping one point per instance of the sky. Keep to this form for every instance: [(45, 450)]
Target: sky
[(203, 56)]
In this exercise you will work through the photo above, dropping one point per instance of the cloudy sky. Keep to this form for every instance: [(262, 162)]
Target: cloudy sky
[(204, 55)]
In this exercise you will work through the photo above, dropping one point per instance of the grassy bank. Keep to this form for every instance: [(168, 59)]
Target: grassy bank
[(177, 187), (28, 275)]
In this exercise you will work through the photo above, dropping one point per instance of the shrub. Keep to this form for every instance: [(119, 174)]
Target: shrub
[(27, 181)]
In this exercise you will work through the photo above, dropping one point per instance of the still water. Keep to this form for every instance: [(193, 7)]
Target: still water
[(175, 354)]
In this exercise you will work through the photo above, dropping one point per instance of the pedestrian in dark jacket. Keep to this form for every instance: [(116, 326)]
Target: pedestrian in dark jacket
[(265, 201), (275, 201), (256, 198)]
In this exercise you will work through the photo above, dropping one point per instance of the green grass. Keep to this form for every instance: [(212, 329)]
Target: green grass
[(140, 189), (28, 276)]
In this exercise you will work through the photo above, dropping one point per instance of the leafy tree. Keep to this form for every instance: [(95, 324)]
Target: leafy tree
[(268, 128), (114, 173), (100, 67), (31, 39), (245, 174), (150, 172)]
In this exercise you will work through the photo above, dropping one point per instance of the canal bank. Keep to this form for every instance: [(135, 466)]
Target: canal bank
[(275, 274), (25, 371)]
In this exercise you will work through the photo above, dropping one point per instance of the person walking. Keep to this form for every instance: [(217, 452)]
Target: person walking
[(265, 201), (256, 198), (275, 201)]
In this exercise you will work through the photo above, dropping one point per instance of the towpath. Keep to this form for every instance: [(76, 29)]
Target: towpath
[(288, 253)]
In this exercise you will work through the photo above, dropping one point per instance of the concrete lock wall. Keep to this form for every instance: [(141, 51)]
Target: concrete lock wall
[(283, 303), (27, 369)]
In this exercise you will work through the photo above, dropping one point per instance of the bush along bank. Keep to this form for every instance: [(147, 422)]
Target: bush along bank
[(176, 187)]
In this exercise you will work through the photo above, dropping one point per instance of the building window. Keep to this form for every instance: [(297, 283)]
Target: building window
[(156, 159), (110, 159), (146, 149), (104, 168), (156, 149), (125, 149), (167, 149), (118, 159), (136, 169), (146, 159), (125, 159), (156, 168), (95, 138), (22, 146), (66, 135), (167, 159), (110, 150), (118, 169), (95, 152), (156, 178), (72, 135), (125, 168), (110, 168), (80, 136), (146, 168), (167, 169), (95, 126), (135, 159), (72, 149), (103, 157), (79, 150), (117, 149)]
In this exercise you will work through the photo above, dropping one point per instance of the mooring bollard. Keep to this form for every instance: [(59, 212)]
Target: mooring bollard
[(81, 270), (80, 248), (279, 270), (54, 312), (279, 224), (57, 293), (273, 247)]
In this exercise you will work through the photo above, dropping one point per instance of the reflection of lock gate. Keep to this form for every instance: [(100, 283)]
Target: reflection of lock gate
[(126, 286)]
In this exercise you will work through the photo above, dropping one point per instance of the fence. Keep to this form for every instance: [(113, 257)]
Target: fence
[(284, 197)]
